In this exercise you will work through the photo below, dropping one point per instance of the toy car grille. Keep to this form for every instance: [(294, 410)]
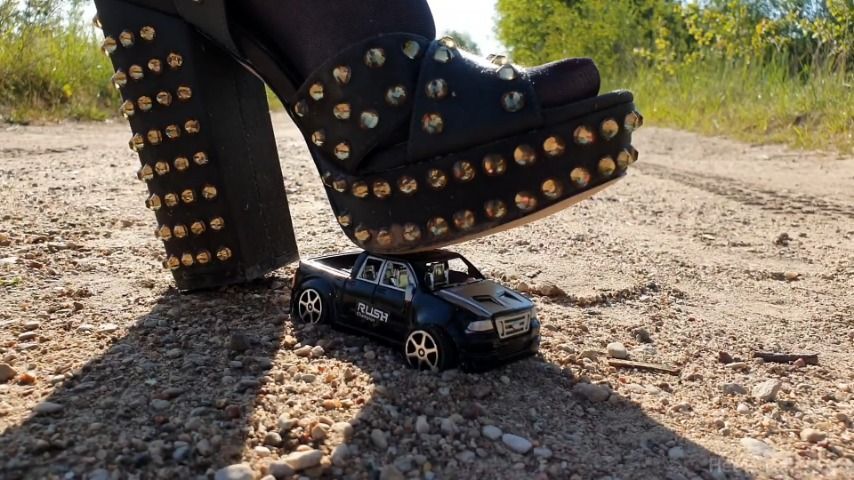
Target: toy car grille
[(513, 325)]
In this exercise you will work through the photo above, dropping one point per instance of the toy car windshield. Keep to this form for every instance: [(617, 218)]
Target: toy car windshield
[(450, 272)]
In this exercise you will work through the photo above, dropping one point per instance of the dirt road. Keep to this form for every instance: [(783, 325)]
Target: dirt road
[(710, 249)]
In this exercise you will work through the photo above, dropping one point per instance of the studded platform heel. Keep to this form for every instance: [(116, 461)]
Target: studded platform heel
[(419, 143), (201, 127)]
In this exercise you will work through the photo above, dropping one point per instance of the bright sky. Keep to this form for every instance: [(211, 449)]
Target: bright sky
[(475, 17)]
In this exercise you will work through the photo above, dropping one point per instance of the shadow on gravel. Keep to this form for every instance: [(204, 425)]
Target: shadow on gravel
[(174, 398)]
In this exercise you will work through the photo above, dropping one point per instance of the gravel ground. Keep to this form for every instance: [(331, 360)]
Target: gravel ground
[(710, 251)]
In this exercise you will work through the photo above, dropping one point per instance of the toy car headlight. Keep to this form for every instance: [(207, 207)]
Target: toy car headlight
[(480, 326)]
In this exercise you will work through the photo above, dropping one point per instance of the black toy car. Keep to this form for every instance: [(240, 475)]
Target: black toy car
[(436, 305)]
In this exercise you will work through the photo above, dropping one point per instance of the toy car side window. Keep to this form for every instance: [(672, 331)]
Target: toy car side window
[(396, 275), (371, 270)]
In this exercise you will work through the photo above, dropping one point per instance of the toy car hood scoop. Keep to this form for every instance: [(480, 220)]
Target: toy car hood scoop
[(485, 298)]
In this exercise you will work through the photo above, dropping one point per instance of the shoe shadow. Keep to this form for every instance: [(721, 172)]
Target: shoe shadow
[(202, 380)]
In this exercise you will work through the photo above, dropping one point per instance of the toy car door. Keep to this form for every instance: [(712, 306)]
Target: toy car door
[(390, 297), (359, 290)]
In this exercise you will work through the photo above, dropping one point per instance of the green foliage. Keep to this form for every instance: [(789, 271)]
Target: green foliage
[(50, 64), (464, 41), (760, 69)]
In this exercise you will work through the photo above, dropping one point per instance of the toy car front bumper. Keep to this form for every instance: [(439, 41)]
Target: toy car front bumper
[(486, 350)]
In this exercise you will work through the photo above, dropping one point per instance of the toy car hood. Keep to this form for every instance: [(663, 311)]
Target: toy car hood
[(485, 298)]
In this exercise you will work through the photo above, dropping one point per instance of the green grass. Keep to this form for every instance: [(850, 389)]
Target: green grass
[(758, 104), (50, 74)]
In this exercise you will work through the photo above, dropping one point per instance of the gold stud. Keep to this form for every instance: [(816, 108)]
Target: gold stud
[(437, 226), (172, 263), (200, 158), (135, 72), (345, 219), (180, 231), (464, 220), (128, 109), (633, 121), (525, 155), (137, 143), (223, 254), (507, 72), (209, 192), (411, 232), (342, 111), (172, 132), (162, 168), (407, 185), (187, 259), (301, 108), (188, 196), (342, 151), (554, 146), (340, 185), (513, 101), (185, 93), (154, 137), (495, 209), (369, 119), (153, 202), (432, 123), (360, 189), (164, 233), (375, 57), (607, 166), (396, 95), (497, 59), (583, 136), (203, 257), (448, 41), (126, 38), (146, 173), (147, 33), (174, 60), (96, 21), (384, 237), (342, 74), (109, 45), (181, 164), (525, 201), (217, 224), (362, 234), (318, 138), (609, 129), (551, 188), (382, 189), (580, 177), (443, 55), (197, 227), (120, 79), (144, 103), (411, 49), (164, 98), (624, 159), (494, 164), (437, 89), (437, 178), (192, 126), (170, 200), (634, 154), (463, 171), (155, 66), (315, 91)]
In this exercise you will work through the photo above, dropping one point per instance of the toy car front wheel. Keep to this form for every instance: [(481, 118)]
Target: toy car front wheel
[(311, 307), (429, 350)]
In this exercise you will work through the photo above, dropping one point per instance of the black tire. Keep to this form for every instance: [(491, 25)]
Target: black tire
[(429, 349), (311, 306)]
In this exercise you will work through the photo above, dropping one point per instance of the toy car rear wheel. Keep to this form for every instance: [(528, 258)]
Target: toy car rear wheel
[(429, 349), (311, 307)]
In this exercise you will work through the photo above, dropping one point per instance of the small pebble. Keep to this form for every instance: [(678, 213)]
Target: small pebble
[(617, 350), (516, 443), (240, 471), (812, 435)]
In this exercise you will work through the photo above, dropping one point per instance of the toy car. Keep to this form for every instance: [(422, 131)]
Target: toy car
[(435, 305)]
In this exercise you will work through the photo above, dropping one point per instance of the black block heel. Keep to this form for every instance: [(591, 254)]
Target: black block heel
[(201, 126)]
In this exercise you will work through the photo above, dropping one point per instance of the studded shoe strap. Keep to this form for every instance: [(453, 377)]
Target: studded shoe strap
[(359, 97), (463, 100)]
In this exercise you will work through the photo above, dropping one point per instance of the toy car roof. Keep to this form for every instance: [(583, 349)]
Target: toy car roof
[(427, 256)]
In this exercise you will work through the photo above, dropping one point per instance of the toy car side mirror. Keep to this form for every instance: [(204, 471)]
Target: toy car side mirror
[(407, 297)]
